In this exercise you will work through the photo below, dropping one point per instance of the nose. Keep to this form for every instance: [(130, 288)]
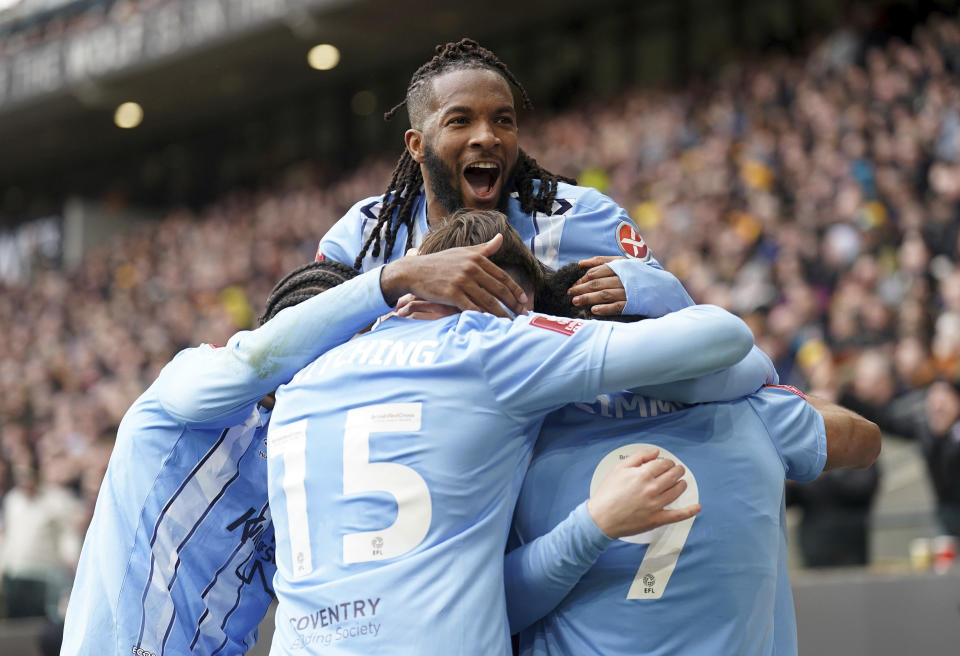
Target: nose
[(484, 136)]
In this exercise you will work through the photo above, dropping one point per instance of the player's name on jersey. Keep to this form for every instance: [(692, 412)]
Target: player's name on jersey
[(342, 621), (373, 353), (628, 405)]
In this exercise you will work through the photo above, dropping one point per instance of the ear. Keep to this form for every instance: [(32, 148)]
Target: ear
[(416, 145)]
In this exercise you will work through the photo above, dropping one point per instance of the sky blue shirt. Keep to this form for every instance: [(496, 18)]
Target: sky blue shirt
[(179, 556), (707, 585), (392, 501), (582, 223)]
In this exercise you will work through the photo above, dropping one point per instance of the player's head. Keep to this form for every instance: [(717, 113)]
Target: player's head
[(553, 299), (304, 283), (462, 143), (474, 227)]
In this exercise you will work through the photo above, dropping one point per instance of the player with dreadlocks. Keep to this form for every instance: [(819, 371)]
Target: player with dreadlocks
[(461, 151), (179, 555)]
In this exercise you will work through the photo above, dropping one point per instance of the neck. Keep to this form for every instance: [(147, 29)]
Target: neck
[(436, 212)]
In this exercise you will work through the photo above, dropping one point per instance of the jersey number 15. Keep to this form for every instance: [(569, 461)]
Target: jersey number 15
[(414, 507)]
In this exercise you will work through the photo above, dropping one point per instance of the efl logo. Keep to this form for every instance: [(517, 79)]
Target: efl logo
[(563, 326), (320, 256), (631, 243)]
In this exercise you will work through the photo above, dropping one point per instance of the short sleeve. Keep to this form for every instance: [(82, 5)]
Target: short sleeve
[(651, 292), (344, 240), (796, 430), (598, 226), (537, 362)]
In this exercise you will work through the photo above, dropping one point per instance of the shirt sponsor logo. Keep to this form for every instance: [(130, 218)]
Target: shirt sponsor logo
[(631, 243), (344, 621), (563, 326)]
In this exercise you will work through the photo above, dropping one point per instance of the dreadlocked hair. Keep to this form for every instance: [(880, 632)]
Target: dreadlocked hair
[(400, 196), (304, 283), (552, 297)]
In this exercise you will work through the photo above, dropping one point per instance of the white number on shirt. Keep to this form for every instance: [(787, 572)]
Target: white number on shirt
[(290, 442), (414, 508), (665, 542)]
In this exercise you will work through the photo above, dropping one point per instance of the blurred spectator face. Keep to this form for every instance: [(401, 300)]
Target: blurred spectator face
[(468, 144), (943, 408), (946, 338), (873, 378), (913, 255), (911, 361), (950, 291)]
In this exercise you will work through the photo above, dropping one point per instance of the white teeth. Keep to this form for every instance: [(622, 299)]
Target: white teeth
[(484, 165)]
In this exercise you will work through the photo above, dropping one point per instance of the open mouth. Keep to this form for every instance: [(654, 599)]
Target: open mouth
[(482, 177)]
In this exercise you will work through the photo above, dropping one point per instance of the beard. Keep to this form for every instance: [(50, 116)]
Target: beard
[(441, 184)]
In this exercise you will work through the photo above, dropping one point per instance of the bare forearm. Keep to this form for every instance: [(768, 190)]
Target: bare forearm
[(853, 442)]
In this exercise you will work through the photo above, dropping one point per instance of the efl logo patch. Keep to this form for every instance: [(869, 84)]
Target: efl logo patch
[(631, 243), (563, 326), (790, 388), (320, 256)]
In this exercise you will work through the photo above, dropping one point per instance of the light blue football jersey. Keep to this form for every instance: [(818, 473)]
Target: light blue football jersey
[(583, 223), (179, 556), (395, 461), (707, 585)]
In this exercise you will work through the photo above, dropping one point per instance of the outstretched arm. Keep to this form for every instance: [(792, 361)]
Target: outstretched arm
[(630, 500), (208, 384), (616, 285), (745, 377), (852, 441), (692, 342)]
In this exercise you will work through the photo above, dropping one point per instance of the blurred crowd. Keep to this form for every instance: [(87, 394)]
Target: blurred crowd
[(26, 23), (817, 197)]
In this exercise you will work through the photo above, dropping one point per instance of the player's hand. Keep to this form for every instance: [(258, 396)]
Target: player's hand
[(461, 277), (412, 307), (600, 288), (632, 497)]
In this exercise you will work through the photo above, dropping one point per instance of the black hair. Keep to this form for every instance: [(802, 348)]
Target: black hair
[(398, 199), (474, 227), (552, 297), (303, 283)]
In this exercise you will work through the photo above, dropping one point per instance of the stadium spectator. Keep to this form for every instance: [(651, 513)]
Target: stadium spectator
[(40, 544), (938, 434)]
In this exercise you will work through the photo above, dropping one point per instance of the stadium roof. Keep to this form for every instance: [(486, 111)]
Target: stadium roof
[(57, 98)]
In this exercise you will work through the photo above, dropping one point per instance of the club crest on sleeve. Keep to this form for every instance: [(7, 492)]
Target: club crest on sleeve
[(790, 388), (631, 243), (563, 326)]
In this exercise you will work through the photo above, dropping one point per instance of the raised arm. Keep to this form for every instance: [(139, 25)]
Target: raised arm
[(207, 384), (745, 377), (852, 441), (612, 286), (686, 344)]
